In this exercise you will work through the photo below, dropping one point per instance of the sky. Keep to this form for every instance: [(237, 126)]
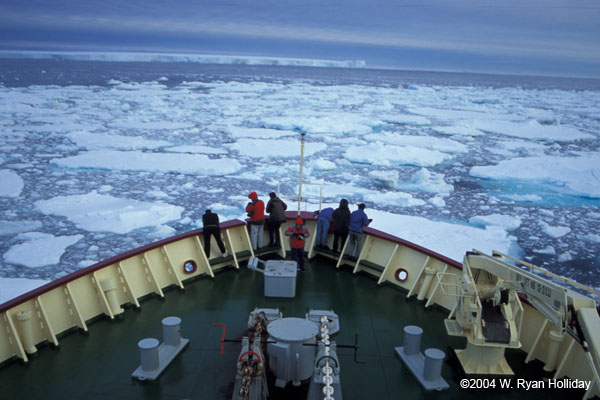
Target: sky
[(540, 37)]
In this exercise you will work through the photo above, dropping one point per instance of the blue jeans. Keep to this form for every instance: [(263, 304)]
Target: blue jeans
[(355, 237), (322, 230)]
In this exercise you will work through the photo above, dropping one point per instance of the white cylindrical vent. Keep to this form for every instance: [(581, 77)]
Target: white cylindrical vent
[(428, 277), (171, 331), (149, 354), (109, 286), (432, 370), (553, 345), (412, 339), (24, 318)]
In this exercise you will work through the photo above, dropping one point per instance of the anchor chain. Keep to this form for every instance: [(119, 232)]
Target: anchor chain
[(327, 369), (250, 370)]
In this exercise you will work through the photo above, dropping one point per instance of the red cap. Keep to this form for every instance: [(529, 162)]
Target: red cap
[(253, 196), (299, 221)]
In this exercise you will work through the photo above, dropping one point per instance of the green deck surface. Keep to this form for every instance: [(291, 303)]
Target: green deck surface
[(99, 366)]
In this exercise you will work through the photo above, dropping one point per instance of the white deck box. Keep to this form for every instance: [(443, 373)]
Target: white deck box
[(280, 278)]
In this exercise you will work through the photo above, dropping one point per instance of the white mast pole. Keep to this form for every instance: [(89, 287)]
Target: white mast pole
[(301, 167)]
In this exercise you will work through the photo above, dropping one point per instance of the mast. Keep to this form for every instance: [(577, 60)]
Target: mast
[(301, 168)]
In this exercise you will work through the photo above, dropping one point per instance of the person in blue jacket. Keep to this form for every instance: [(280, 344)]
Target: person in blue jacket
[(324, 218), (358, 220)]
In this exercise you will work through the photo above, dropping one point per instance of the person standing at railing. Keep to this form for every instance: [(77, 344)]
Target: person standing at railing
[(298, 234), (358, 220), (276, 210), (341, 222), (210, 227), (324, 218), (256, 212)]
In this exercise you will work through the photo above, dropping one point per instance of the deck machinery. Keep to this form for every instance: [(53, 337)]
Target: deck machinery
[(489, 312), (294, 354)]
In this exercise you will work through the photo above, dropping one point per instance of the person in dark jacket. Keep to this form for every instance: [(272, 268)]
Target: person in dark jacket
[(324, 218), (298, 233), (256, 212), (276, 210), (341, 217), (358, 220), (210, 224)]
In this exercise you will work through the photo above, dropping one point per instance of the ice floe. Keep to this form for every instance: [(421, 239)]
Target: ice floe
[(570, 175), (429, 182), (100, 212), (13, 287), (10, 228), (532, 129), (94, 141), (554, 231), (390, 155), (449, 239), (262, 148), (506, 222), (39, 249), (158, 162), (11, 184)]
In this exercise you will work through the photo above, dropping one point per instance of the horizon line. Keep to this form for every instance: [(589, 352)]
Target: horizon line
[(304, 62)]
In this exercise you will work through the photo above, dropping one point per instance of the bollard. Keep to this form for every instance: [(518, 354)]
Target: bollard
[(412, 339), (432, 370), (171, 331), (149, 354)]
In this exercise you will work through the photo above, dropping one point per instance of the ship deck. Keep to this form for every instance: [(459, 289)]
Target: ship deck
[(99, 365)]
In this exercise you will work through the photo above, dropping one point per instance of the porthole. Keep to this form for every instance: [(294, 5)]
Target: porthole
[(190, 266), (401, 275)]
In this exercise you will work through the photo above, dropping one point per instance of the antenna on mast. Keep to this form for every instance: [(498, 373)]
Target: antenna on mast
[(301, 168)]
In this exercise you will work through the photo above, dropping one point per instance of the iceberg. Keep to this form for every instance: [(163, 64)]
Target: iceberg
[(181, 58)]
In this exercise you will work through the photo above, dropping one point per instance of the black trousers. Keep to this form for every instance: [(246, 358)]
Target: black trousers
[(337, 236), (216, 232), (298, 256), (274, 231)]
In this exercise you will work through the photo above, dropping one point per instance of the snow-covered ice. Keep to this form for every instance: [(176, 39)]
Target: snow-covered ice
[(555, 231), (191, 58), (13, 287), (11, 184), (507, 222), (39, 249), (262, 148), (573, 175), (377, 153), (449, 239), (532, 129), (157, 162), (99, 212)]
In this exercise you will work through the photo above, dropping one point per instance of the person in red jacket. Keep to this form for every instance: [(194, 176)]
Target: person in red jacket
[(256, 212), (298, 233)]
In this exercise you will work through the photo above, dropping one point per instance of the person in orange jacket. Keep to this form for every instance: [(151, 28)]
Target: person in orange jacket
[(298, 233), (256, 212)]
